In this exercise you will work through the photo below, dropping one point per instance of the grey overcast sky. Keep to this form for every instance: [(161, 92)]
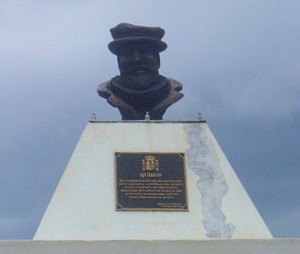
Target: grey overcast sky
[(239, 62)]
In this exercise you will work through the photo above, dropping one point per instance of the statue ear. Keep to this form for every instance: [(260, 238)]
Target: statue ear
[(118, 59), (158, 61)]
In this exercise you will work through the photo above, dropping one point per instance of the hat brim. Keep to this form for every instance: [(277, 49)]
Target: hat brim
[(115, 45)]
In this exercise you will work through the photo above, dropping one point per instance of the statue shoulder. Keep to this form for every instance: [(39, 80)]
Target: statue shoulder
[(103, 90), (175, 85)]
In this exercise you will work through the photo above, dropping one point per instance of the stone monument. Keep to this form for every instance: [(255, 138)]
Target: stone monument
[(147, 179), (147, 185)]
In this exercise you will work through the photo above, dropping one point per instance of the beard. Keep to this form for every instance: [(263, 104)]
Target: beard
[(138, 81), (142, 90), (140, 84), (138, 73)]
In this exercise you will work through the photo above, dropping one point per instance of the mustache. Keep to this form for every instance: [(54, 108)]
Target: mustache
[(139, 65), (138, 81)]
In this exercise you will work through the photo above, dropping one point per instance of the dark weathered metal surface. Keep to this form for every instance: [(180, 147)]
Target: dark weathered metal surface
[(139, 88)]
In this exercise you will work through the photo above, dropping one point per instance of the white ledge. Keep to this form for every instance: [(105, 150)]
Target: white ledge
[(272, 246)]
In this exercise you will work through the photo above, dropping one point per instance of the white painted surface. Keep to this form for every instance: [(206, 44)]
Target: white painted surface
[(273, 246), (83, 205)]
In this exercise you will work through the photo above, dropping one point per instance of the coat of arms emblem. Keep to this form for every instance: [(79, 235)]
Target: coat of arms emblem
[(150, 163)]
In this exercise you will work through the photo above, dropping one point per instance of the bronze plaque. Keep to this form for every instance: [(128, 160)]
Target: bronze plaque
[(150, 181)]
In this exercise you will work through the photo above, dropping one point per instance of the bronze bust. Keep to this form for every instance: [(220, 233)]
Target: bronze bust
[(139, 88)]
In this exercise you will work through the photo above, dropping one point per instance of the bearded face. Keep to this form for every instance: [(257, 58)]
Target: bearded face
[(138, 64), (139, 84)]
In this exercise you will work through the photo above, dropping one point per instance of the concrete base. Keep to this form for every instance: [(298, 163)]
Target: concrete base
[(83, 205), (274, 246)]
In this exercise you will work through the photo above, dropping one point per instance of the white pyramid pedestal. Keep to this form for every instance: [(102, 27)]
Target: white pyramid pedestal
[(83, 205)]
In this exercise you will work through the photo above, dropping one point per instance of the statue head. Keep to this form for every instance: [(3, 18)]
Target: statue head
[(139, 88), (124, 34), (138, 57), (137, 49)]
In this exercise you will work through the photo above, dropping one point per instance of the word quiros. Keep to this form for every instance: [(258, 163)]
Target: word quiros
[(148, 174)]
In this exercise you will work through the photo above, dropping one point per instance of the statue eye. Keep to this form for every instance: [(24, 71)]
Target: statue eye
[(127, 51), (145, 49)]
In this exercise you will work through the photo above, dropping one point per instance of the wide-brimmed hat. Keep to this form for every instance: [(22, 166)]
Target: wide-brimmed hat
[(124, 33)]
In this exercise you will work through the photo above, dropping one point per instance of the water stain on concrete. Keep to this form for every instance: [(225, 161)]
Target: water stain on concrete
[(204, 161)]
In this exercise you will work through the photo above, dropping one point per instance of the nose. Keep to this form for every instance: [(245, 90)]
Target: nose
[(137, 54)]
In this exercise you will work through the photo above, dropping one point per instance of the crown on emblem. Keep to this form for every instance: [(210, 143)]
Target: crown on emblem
[(150, 158), (150, 163)]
